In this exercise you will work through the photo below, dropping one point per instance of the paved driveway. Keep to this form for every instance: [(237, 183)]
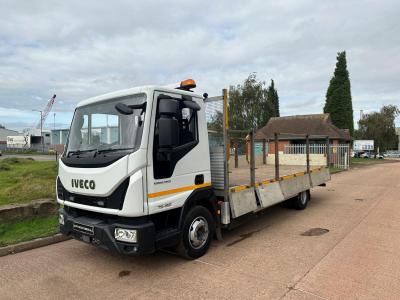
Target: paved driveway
[(267, 258)]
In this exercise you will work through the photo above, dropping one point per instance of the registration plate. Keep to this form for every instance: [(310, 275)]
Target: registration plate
[(83, 228)]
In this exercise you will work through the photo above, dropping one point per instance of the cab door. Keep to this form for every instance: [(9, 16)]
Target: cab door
[(178, 151)]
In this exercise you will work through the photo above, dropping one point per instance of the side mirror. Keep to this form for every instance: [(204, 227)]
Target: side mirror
[(123, 109), (168, 133), (191, 104)]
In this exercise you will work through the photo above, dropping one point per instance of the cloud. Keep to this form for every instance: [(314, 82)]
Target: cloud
[(78, 49), (12, 113)]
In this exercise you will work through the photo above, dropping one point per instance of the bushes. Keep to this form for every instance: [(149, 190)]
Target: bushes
[(7, 163), (4, 167), (23, 180)]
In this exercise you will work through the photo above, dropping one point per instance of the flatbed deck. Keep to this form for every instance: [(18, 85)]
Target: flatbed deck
[(241, 175), (245, 198)]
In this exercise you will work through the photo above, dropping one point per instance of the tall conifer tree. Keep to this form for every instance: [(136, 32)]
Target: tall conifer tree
[(272, 100), (338, 96)]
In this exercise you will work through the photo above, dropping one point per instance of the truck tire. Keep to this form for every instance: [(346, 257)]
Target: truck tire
[(301, 200), (197, 232)]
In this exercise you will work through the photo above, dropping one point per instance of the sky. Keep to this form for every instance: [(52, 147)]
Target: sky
[(80, 49)]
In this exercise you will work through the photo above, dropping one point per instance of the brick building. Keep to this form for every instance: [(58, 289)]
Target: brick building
[(292, 130)]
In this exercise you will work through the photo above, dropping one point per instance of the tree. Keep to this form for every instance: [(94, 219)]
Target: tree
[(248, 104), (273, 100), (380, 127), (251, 105), (338, 96), (216, 122)]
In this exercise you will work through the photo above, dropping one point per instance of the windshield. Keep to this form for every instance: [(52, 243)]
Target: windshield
[(100, 127)]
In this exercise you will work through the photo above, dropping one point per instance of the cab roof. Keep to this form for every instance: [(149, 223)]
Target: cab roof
[(148, 89)]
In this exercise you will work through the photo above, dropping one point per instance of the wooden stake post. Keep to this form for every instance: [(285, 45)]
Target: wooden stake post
[(276, 156)]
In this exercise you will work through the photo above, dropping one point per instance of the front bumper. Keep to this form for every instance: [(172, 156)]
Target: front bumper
[(103, 234)]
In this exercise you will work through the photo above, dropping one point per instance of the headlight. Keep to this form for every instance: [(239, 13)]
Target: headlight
[(61, 219), (125, 235)]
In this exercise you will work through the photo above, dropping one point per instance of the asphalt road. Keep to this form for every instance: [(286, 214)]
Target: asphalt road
[(267, 258)]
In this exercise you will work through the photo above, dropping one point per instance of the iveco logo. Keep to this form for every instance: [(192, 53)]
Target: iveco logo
[(83, 184)]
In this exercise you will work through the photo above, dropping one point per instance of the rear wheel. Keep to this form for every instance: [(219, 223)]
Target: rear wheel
[(197, 231), (301, 200)]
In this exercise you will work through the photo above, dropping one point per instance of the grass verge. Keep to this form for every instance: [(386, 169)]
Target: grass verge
[(369, 161), (23, 180), (363, 162), (28, 230), (334, 170)]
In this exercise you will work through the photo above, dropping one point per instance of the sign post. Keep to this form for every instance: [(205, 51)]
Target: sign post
[(19, 141), (363, 145)]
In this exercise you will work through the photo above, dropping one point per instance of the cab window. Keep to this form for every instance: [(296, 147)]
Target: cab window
[(182, 127)]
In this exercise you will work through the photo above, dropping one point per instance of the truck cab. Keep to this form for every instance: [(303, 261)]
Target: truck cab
[(135, 174)]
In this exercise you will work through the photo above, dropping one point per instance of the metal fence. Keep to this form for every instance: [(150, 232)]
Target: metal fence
[(338, 155), (301, 149), (33, 148)]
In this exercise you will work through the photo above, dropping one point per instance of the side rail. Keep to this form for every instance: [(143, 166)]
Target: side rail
[(273, 178), (250, 172)]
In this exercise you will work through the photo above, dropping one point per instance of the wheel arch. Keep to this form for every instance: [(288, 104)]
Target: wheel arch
[(202, 197)]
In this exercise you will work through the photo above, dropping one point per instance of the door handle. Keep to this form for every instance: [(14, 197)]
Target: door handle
[(199, 179)]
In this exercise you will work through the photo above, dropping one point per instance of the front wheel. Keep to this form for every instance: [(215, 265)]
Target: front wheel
[(197, 231)]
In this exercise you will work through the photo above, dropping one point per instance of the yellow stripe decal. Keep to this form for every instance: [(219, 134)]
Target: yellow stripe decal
[(300, 174), (287, 177), (265, 182), (178, 190), (239, 188)]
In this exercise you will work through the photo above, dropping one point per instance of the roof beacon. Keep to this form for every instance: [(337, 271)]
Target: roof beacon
[(187, 85)]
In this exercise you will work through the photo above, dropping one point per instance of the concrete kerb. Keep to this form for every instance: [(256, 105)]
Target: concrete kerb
[(25, 211), (36, 243)]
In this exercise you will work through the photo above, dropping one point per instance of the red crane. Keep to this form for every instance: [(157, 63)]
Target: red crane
[(46, 111)]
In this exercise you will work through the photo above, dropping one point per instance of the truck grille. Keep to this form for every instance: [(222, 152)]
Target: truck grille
[(114, 201)]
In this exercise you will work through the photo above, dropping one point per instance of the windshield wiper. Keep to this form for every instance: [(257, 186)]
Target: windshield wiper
[(111, 150), (78, 152)]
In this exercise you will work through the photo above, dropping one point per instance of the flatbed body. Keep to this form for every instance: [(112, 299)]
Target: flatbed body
[(241, 175)]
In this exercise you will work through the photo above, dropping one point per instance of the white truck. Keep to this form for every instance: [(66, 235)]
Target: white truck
[(138, 174)]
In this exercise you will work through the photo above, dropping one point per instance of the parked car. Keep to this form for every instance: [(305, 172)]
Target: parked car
[(392, 154), (358, 153)]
